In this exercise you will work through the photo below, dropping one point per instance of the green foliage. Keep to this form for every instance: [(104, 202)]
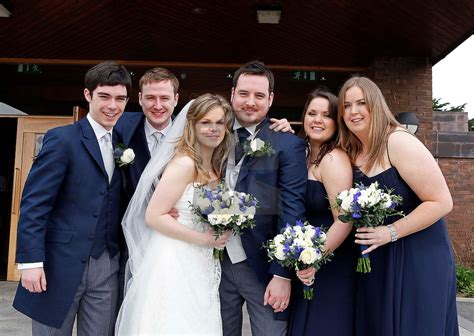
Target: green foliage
[(471, 125), (439, 106), (465, 280)]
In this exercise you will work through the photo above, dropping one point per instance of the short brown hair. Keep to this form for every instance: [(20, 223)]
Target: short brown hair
[(255, 68), (109, 74), (159, 75)]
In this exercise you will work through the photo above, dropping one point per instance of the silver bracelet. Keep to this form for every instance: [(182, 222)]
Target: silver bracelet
[(393, 232)]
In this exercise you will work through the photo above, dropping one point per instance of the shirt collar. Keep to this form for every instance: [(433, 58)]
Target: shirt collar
[(251, 129), (98, 129), (150, 130)]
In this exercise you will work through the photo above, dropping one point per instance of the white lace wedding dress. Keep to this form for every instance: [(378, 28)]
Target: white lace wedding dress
[(176, 290)]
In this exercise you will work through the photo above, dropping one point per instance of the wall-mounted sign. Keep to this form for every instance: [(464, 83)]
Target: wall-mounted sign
[(29, 68), (304, 75)]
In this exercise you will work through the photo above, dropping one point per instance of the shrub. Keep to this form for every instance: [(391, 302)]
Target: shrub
[(465, 281)]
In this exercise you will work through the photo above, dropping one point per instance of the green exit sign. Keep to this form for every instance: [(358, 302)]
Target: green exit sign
[(29, 69), (303, 75)]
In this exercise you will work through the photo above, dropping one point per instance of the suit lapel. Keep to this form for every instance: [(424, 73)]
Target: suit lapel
[(90, 142)]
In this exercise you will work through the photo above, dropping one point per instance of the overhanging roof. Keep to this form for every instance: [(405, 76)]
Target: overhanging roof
[(339, 33)]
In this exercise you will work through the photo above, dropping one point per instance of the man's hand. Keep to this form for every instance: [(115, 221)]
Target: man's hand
[(278, 294), (33, 279), (281, 125)]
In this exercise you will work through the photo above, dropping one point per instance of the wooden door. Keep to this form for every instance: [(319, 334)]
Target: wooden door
[(29, 139), (78, 113)]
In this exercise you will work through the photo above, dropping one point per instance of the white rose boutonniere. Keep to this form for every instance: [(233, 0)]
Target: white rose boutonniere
[(258, 148), (123, 156)]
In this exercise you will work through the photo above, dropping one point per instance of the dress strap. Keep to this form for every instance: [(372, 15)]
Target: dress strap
[(388, 153)]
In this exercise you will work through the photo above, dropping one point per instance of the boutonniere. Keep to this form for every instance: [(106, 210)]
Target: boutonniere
[(258, 148), (123, 156)]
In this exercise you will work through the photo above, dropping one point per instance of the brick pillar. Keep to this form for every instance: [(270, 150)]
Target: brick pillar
[(406, 84)]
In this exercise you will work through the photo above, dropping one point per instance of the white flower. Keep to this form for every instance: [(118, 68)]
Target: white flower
[(128, 156), (250, 211), (279, 254), (203, 203), (322, 236), (279, 239), (256, 144), (309, 233), (347, 202), (216, 219), (387, 201), (227, 195), (308, 256), (301, 242)]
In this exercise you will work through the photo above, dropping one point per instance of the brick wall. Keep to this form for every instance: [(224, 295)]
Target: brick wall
[(459, 174), (406, 84)]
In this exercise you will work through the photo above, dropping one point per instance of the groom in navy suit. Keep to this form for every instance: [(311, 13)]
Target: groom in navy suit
[(278, 180), (69, 226)]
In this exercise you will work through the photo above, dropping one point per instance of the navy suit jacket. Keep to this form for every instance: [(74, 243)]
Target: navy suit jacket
[(130, 129), (279, 183), (60, 209)]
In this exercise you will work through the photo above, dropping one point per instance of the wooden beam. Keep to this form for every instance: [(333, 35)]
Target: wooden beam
[(151, 64)]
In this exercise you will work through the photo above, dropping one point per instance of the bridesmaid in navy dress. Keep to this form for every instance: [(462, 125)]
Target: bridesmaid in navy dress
[(331, 311), (412, 287)]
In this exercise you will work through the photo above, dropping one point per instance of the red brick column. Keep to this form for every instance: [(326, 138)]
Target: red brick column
[(406, 84), (459, 174)]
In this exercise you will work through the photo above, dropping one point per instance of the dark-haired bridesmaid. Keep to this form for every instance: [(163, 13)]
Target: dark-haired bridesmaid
[(330, 312)]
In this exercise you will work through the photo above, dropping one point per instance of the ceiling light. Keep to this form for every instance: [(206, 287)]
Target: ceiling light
[(4, 12), (269, 14)]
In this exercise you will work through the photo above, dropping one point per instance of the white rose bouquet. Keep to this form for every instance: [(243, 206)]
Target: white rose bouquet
[(224, 209), (299, 247), (367, 207)]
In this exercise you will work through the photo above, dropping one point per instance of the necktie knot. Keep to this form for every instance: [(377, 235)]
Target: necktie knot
[(242, 134)]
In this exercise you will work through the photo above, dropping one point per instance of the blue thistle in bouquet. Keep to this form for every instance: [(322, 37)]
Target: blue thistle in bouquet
[(367, 207), (298, 247), (224, 209)]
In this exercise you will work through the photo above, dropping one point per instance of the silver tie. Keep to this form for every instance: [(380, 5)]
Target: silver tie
[(157, 136), (107, 150)]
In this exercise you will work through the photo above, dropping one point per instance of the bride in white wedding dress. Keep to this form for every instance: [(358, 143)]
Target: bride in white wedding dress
[(174, 280)]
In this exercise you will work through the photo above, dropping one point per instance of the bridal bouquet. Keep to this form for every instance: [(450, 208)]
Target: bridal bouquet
[(367, 207), (224, 209), (299, 247)]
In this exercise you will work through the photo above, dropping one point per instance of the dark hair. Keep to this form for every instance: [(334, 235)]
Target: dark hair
[(255, 68), (321, 92), (159, 75), (107, 73)]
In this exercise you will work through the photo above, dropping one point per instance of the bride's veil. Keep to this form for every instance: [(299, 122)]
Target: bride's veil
[(136, 231)]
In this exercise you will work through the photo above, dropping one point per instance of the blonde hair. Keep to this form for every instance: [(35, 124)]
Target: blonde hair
[(188, 144), (382, 123)]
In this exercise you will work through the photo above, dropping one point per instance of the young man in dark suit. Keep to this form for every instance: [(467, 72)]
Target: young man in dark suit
[(69, 226)]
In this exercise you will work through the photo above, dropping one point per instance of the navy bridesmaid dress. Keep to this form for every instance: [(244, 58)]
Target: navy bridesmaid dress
[(331, 311), (412, 287)]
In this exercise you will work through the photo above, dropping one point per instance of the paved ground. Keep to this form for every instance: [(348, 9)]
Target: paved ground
[(15, 324)]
